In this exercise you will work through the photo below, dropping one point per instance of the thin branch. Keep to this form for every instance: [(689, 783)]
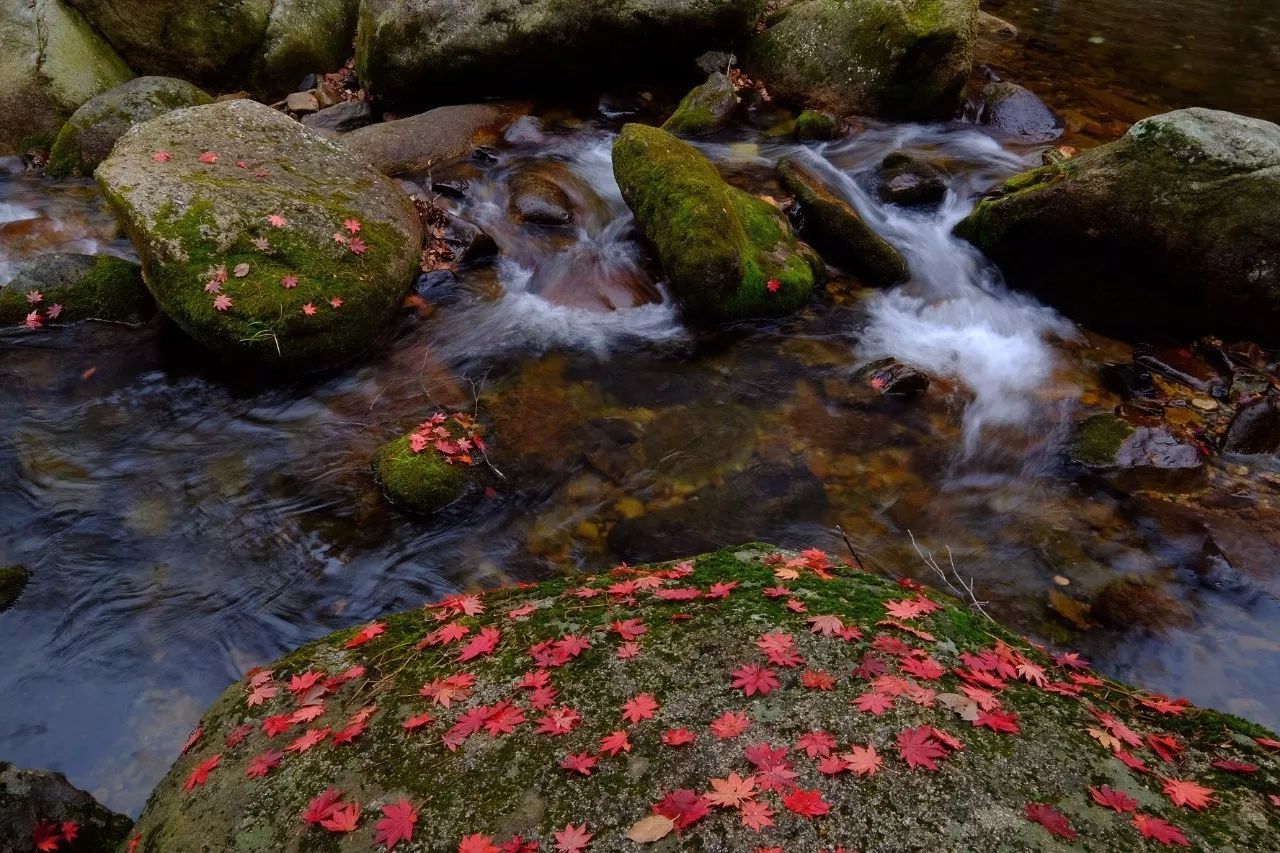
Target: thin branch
[(857, 561), (960, 588)]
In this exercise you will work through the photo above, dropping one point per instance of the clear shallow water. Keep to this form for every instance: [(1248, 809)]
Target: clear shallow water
[(183, 526)]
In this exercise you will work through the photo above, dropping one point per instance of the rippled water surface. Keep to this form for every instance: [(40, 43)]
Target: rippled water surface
[(182, 525)]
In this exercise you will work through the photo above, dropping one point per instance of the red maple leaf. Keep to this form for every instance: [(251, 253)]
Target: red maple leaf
[(780, 649), (503, 719), (321, 806), (806, 803), (1110, 798), (261, 694), (678, 737), (828, 625), (262, 764), (683, 806), (615, 742), (364, 635), (350, 733), (756, 815), (558, 721), (572, 839), (863, 760), (192, 739), (1155, 829), (201, 774), (70, 829), (926, 668), (629, 629), (343, 818), (730, 724), (308, 740), (46, 835), (1051, 819), (919, 748), (304, 681), (307, 713), (816, 743), (817, 679), (1232, 766), (773, 285), (873, 703), (483, 643), (414, 723), (753, 678), (583, 762), (640, 707), (1184, 792), (731, 792), (477, 843), (721, 589), (396, 824), (999, 721)]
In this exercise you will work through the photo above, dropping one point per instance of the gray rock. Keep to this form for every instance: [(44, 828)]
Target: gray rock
[(204, 228), (836, 230), (906, 59), (13, 580), (892, 378), (1174, 228), (1255, 428), (1137, 458), (706, 109), (909, 181), (341, 118), (302, 103), (716, 61), (417, 143), (408, 48), (91, 132), (51, 62), (31, 796), (1016, 110)]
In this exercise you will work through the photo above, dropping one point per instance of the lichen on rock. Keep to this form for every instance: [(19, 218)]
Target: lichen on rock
[(261, 239), (851, 708)]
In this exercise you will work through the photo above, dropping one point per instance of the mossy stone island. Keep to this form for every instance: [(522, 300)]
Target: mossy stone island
[(741, 700)]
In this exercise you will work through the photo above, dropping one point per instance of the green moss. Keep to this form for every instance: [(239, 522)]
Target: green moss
[(816, 125), (719, 246), (88, 288), (419, 482), (13, 580), (37, 141), (1097, 440), (707, 108)]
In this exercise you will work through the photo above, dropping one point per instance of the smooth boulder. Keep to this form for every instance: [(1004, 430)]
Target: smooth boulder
[(728, 255), (261, 239), (902, 59), (417, 143), (605, 707), (39, 804), (82, 287), (409, 50), (1017, 110), (836, 230), (89, 135), (909, 181), (1173, 229), (51, 62), (1136, 458), (706, 109)]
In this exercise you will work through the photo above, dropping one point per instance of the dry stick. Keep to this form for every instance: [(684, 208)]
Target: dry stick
[(965, 590), (475, 395), (856, 559)]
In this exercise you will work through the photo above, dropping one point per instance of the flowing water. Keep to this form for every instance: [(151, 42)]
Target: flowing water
[(182, 526)]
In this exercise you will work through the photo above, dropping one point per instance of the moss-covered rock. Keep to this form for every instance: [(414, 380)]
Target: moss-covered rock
[(1139, 457), (418, 482), (303, 37), (1174, 228), (816, 125), (661, 679), (835, 228), (51, 62), (13, 580), (84, 287), (89, 135), (906, 59), (31, 797), (728, 254), (411, 50), (235, 201), (706, 109)]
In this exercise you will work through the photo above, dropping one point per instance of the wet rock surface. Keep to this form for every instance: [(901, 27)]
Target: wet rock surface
[(907, 180), (82, 287), (891, 377), (341, 118), (537, 198), (433, 728), (1015, 109), (706, 109), (417, 143), (43, 802)]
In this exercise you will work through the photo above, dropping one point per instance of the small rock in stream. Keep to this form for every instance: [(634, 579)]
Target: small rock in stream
[(892, 378)]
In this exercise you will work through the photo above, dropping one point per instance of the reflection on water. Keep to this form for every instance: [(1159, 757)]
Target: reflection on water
[(182, 527)]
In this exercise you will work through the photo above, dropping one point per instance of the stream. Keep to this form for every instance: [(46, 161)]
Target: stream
[(183, 526)]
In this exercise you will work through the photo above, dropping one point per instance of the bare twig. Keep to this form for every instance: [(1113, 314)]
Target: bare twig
[(857, 561), (960, 588), (475, 395)]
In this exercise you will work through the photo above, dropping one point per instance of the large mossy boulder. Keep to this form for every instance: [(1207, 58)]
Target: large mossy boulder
[(412, 50), (263, 240), (727, 254), (83, 287), (706, 109), (903, 59), (263, 43), (39, 805), (89, 135), (51, 62), (1172, 229), (837, 231), (741, 700)]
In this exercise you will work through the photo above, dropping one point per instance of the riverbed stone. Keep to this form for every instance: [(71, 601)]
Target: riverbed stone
[(816, 125), (51, 62), (837, 231), (341, 118), (85, 287), (29, 797), (314, 250), (410, 49), (1017, 110), (908, 180), (728, 254), (1137, 457), (537, 198), (13, 580), (903, 59), (89, 135), (421, 483), (1174, 229), (1255, 428), (706, 109), (472, 733), (418, 143)]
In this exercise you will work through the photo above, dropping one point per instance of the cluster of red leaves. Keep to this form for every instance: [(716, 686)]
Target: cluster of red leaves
[(769, 787), (35, 319), (48, 835), (455, 437)]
